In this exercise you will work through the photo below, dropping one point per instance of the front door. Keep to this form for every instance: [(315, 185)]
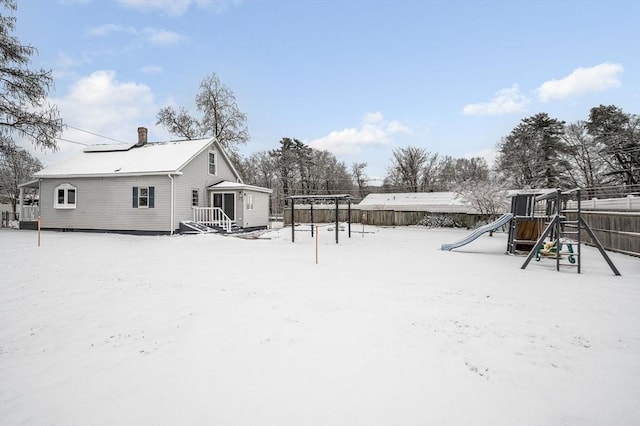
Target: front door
[(226, 201)]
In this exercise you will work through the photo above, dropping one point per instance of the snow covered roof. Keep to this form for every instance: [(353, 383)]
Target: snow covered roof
[(436, 202), (116, 160), (236, 186), (529, 191)]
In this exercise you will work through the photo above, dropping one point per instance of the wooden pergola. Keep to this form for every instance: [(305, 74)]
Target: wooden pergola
[(335, 198)]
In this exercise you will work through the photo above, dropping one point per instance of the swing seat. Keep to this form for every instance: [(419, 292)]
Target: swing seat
[(551, 248), (546, 250)]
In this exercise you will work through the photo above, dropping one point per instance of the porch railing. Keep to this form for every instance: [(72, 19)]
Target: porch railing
[(213, 216), (29, 213)]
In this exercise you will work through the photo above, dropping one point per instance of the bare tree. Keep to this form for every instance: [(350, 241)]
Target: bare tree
[(24, 110), (413, 169), (586, 168), (486, 196), (331, 175), (471, 169), (430, 173), (179, 122), (360, 177), (221, 117), (407, 167), (16, 166)]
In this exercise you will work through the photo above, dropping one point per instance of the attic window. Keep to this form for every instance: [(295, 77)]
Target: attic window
[(64, 196), (212, 163)]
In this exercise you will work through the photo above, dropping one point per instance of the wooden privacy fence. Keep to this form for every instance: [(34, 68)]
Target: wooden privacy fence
[(373, 217), (321, 215), (407, 218), (616, 231)]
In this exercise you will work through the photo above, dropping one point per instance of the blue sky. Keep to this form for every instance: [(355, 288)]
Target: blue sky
[(359, 78)]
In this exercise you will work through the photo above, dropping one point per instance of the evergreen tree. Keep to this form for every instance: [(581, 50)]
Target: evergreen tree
[(619, 135), (532, 155), (24, 110)]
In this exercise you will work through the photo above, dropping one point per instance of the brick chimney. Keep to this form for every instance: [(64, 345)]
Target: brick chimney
[(142, 136)]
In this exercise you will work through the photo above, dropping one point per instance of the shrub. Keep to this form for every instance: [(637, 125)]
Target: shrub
[(440, 221)]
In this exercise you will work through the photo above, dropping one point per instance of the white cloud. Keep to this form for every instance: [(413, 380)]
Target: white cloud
[(397, 127), (64, 60), (66, 64), (101, 104), (505, 101), (72, 2), (159, 37), (153, 36), (177, 7), (173, 7), (106, 29), (580, 81), (152, 69), (374, 130)]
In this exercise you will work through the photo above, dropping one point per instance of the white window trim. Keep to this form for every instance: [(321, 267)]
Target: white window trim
[(65, 205), (140, 188), (249, 201), (215, 163)]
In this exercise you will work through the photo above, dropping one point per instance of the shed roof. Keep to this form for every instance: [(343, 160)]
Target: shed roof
[(236, 186), (149, 159), (529, 191), (436, 202)]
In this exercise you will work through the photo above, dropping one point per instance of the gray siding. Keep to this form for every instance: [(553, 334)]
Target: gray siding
[(259, 216), (195, 175), (106, 204)]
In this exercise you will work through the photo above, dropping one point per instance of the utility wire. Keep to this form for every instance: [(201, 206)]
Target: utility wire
[(94, 134), (70, 141)]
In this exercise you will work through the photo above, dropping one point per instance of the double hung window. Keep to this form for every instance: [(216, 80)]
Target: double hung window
[(143, 197), (212, 163)]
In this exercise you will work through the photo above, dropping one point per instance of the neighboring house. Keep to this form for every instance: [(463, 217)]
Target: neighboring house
[(146, 188)]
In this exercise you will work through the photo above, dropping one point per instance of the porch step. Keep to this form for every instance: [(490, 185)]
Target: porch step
[(191, 227), (234, 228)]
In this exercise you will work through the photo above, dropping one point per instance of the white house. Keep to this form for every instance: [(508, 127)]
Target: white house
[(146, 188)]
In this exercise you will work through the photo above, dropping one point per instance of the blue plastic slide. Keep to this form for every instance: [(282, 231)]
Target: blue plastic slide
[(503, 220)]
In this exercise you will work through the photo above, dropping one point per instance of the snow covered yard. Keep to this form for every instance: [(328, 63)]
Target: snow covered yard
[(101, 329)]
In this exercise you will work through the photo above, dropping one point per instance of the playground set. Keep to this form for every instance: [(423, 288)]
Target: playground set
[(542, 224)]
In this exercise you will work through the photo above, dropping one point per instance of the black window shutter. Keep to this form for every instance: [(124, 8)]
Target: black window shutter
[(152, 197), (135, 197)]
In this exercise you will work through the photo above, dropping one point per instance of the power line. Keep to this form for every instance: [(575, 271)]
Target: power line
[(94, 134), (70, 141)]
